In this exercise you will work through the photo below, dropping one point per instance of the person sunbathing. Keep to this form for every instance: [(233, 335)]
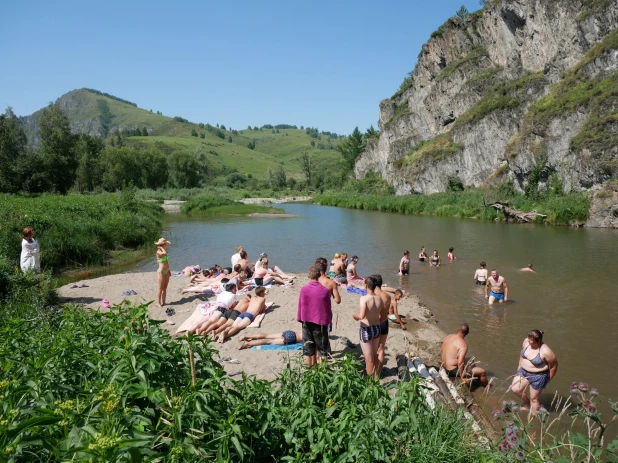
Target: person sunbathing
[(226, 300), (246, 264), (352, 276), (276, 269), (263, 275), (286, 338), (255, 306)]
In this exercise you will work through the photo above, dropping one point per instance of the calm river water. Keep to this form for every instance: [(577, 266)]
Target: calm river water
[(572, 297)]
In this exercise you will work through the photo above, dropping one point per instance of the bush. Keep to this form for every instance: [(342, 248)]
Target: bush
[(454, 183)]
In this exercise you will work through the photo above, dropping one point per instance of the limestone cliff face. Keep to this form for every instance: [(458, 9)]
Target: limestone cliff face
[(519, 85)]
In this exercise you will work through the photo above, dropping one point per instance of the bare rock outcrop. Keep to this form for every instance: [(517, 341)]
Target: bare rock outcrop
[(517, 86)]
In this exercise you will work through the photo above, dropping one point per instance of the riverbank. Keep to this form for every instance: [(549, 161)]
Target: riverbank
[(423, 336), (564, 209)]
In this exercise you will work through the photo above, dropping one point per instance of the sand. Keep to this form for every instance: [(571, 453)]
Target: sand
[(423, 335)]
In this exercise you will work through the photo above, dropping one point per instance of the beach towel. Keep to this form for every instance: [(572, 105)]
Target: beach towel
[(297, 346), (201, 312), (351, 289)]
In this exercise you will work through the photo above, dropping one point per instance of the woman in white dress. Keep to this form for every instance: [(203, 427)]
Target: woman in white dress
[(30, 252)]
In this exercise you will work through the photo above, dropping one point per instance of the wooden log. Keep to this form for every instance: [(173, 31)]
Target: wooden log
[(448, 398), (520, 216), (402, 368)]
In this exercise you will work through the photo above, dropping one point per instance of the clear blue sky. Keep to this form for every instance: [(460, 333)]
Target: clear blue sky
[(320, 63)]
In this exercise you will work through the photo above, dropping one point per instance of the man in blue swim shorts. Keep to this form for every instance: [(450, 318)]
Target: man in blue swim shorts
[(496, 288)]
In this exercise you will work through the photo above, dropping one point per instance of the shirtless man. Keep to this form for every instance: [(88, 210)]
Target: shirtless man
[(255, 306), (527, 269), (321, 264), (404, 263), (454, 349), (393, 312), (499, 289), (386, 301), (278, 339), (371, 306)]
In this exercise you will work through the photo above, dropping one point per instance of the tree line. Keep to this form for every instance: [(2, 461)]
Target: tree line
[(65, 161)]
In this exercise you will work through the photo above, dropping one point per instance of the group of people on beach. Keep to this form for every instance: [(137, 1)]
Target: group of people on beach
[(378, 306)]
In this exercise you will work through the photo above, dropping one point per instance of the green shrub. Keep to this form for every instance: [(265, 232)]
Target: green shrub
[(77, 230), (454, 183), (223, 205)]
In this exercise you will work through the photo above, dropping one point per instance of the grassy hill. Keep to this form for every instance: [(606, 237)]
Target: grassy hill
[(104, 115)]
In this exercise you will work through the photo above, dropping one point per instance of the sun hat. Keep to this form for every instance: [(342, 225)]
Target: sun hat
[(162, 241)]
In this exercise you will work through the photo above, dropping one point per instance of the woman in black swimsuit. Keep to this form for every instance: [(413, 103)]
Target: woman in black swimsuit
[(435, 260), (422, 255)]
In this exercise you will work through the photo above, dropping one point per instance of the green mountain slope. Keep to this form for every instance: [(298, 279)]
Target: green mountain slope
[(104, 115)]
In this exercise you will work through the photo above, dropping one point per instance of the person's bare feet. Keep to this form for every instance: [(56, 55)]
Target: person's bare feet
[(244, 345), (221, 339), (242, 338)]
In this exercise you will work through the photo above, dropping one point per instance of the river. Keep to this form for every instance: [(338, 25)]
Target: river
[(572, 297)]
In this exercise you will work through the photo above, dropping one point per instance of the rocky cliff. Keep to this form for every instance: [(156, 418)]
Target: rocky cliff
[(519, 87)]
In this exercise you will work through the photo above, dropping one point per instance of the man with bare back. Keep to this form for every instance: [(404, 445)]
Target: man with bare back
[(286, 338), (386, 302), (371, 306), (496, 288), (454, 349), (255, 306), (321, 264)]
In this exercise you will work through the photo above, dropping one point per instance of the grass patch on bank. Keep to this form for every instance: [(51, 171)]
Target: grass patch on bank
[(116, 386), (77, 231), (222, 205), (475, 54), (184, 194), (436, 149), (560, 209), (402, 109)]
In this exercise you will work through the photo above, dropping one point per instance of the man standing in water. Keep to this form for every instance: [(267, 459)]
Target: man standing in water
[(499, 290), (454, 350)]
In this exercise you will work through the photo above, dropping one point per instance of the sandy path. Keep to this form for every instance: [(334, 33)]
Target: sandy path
[(423, 334)]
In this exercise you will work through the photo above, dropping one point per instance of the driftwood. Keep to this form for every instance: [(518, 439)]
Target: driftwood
[(510, 213)]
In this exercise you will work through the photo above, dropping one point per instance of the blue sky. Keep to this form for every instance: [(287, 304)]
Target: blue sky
[(321, 64)]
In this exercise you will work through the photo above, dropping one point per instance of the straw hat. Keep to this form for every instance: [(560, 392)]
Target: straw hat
[(162, 241)]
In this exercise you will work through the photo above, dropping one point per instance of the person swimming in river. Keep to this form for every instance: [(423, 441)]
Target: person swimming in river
[(422, 255), (527, 269), (404, 263), (480, 276), (163, 272), (434, 260), (451, 256)]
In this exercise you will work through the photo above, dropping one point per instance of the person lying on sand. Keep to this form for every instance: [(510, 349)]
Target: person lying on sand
[(226, 300), (255, 306), (286, 338)]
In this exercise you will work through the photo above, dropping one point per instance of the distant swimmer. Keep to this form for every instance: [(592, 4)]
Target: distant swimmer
[(404, 263), (480, 276), (499, 290), (450, 256), (422, 255), (527, 269), (454, 350), (435, 260)]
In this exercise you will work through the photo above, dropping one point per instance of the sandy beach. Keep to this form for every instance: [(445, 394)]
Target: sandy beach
[(423, 336)]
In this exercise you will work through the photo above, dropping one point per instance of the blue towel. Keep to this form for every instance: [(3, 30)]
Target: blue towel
[(352, 289), (297, 346)]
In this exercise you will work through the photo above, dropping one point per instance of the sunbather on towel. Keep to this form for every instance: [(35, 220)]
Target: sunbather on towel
[(263, 275), (255, 306), (278, 339), (225, 301), (352, 276)]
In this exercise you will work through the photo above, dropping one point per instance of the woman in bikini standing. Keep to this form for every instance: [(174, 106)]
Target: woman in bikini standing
[(163, 273), (537, 367)]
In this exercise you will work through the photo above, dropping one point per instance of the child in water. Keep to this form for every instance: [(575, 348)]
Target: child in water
[(450, 255)]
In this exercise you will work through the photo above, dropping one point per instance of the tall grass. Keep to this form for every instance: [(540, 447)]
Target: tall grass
[(184, 194), (115, 386), (560, 209), (76, 230)]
